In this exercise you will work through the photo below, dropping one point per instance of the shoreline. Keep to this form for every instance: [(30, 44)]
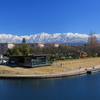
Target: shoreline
[(75, 72)]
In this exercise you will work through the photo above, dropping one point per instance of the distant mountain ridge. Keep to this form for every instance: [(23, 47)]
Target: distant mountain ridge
[(60, 38)]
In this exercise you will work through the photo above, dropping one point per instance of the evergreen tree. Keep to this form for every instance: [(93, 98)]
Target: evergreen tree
[(24, 40)]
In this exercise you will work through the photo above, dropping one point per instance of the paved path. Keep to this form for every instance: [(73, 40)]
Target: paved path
[(61, 66), (60, 74)]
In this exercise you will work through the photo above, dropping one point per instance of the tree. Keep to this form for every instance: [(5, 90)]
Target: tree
[(21, 50), (14, 51), (25, 49), (24, 40), (92, 40), (32, 51)]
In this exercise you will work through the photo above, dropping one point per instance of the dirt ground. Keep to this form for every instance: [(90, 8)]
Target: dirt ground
[(76, 63), (64, 65)]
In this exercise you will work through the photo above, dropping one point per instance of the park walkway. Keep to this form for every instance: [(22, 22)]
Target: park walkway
[(53, 74)]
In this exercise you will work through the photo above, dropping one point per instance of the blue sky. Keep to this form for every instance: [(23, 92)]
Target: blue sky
[(28, 17)]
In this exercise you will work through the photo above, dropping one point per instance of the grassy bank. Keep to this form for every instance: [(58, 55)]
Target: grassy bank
[(72, 64)]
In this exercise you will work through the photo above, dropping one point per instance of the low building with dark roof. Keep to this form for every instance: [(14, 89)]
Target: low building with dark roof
[(30, 60)]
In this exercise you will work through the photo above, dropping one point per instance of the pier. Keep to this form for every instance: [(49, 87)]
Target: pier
[(93, 71)]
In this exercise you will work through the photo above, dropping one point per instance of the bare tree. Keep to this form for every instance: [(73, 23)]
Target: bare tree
[(92, 40)]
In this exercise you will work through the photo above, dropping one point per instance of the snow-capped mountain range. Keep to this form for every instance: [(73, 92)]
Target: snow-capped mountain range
[(60, 38)]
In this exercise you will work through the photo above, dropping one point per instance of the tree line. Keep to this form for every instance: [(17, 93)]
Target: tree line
[(92, 48)]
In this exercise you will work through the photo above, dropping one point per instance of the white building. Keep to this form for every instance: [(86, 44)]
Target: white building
[(5, 46), (51, 45), (32, 45), (36, 45)]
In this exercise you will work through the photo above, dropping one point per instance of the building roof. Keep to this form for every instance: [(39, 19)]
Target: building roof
[(32, 55)]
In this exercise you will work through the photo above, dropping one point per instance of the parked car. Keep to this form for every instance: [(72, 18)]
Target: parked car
[(4, 61)]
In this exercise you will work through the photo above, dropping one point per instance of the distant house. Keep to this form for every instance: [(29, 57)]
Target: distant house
[(84, 54), (29, 61)]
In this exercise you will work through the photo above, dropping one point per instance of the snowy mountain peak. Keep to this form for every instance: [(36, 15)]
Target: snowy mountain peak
[(59, 38)]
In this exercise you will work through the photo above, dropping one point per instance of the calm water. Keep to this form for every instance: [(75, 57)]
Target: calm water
[(86, 87)]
